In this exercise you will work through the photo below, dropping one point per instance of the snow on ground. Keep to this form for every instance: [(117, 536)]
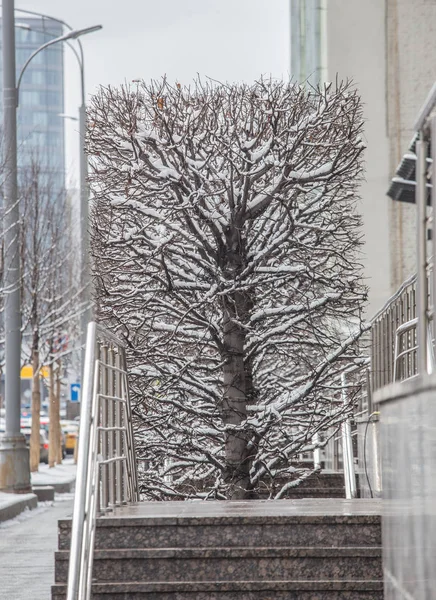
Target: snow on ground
[(27, 547), (63, 473), (25, 515), (11, 499)]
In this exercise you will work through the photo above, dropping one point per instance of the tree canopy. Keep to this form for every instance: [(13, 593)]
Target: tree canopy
[(226, 253)]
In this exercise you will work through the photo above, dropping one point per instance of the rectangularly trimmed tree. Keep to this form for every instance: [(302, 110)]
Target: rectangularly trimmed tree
[(225, 244)]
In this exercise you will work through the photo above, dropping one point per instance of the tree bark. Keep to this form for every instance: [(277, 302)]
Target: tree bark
[(58, 417), (234, 410), (36, 411), (53, 439)]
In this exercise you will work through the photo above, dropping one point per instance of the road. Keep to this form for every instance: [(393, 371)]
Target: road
[(27, 547)]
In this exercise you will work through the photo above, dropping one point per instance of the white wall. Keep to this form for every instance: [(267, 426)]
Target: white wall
[(356, 49)]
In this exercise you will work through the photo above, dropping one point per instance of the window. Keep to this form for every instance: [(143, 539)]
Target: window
[(30, 98), (53, 98), (33, 77), (39, 118), (53, 77), (38, 138), (54, 55)]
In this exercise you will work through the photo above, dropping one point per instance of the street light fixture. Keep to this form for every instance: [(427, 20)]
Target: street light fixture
[(71, 35), (14, 458)]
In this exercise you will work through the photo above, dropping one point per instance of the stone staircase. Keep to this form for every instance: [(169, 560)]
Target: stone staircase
[(254, 550), (326, 484)]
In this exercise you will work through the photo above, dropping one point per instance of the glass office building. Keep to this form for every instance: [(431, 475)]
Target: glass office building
[(40, 135)]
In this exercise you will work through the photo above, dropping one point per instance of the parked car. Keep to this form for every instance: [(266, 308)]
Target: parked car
[(26, 431), (43, 443)]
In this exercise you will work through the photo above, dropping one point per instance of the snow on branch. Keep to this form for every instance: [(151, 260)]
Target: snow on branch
[(226, 252)]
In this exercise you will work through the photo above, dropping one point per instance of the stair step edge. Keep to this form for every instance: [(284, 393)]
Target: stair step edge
[(230, 552), (150, 521), (194, 586)]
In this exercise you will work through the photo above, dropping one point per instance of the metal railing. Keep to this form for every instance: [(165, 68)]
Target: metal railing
[(393, 332), (394, 337), (106, 466)]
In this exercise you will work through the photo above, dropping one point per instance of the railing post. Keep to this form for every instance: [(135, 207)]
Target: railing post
[(347, 449), (119, 467), (433, 204), (421, 238), (106, 461), (316, 452), (83, 452)]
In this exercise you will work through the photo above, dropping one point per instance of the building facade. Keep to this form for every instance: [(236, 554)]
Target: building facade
[(40, 125), (388, 48)]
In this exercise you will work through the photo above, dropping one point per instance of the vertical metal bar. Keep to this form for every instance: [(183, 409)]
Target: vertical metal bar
[(347, 448), (369, 392), (373, 357), (118, 436), (92, 507), (377, 357), (130, 440), (316, 452), (77, 534), (433, 204), (421, 284), (110, 424), (104, 436), (381, 348), (403, 319), (388, 344)]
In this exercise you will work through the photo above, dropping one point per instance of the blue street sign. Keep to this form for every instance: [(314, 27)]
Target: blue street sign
[(75, 392)]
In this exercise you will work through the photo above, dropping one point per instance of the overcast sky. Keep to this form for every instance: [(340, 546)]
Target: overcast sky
[(229, 40)]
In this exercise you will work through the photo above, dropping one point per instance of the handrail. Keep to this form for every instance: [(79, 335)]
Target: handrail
[(411, 371), (106, 464)]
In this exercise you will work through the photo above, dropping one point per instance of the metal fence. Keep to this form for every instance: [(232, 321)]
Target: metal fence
[(106, 467), (394, 338)]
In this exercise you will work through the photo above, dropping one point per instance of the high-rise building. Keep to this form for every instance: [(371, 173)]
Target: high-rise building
[(40, 126), (388, 48)]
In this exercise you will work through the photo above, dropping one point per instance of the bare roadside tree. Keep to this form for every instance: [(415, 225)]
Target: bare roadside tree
[(225, 242), (49, 293)]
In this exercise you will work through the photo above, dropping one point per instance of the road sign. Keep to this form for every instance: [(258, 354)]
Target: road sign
[(75, 392)]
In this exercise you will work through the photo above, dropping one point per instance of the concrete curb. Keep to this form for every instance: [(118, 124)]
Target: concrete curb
[(17, 504), (63, 484), (64, 487), (45, 493)]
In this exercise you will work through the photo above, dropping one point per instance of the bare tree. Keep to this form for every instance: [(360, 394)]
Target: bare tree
[(49, 294), (225, 243)]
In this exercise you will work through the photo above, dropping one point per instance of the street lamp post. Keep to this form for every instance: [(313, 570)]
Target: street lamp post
[(14, 458)]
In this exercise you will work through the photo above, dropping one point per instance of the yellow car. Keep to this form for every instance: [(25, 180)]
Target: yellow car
[(71, 431)]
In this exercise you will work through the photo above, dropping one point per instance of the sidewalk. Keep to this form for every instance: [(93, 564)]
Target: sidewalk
[(62, 478), (27, 547), (12, 505)]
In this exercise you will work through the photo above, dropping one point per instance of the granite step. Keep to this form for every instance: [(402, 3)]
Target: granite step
[(324, 479), (315, 492), (231, 531), (229, 564), (234, 590)]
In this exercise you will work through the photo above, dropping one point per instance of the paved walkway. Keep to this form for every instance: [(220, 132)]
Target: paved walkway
[(27, 547)]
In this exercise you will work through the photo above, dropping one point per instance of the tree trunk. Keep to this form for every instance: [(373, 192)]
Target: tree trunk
[(234, 409), (36, 412), (58, 417), (53, 440)]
